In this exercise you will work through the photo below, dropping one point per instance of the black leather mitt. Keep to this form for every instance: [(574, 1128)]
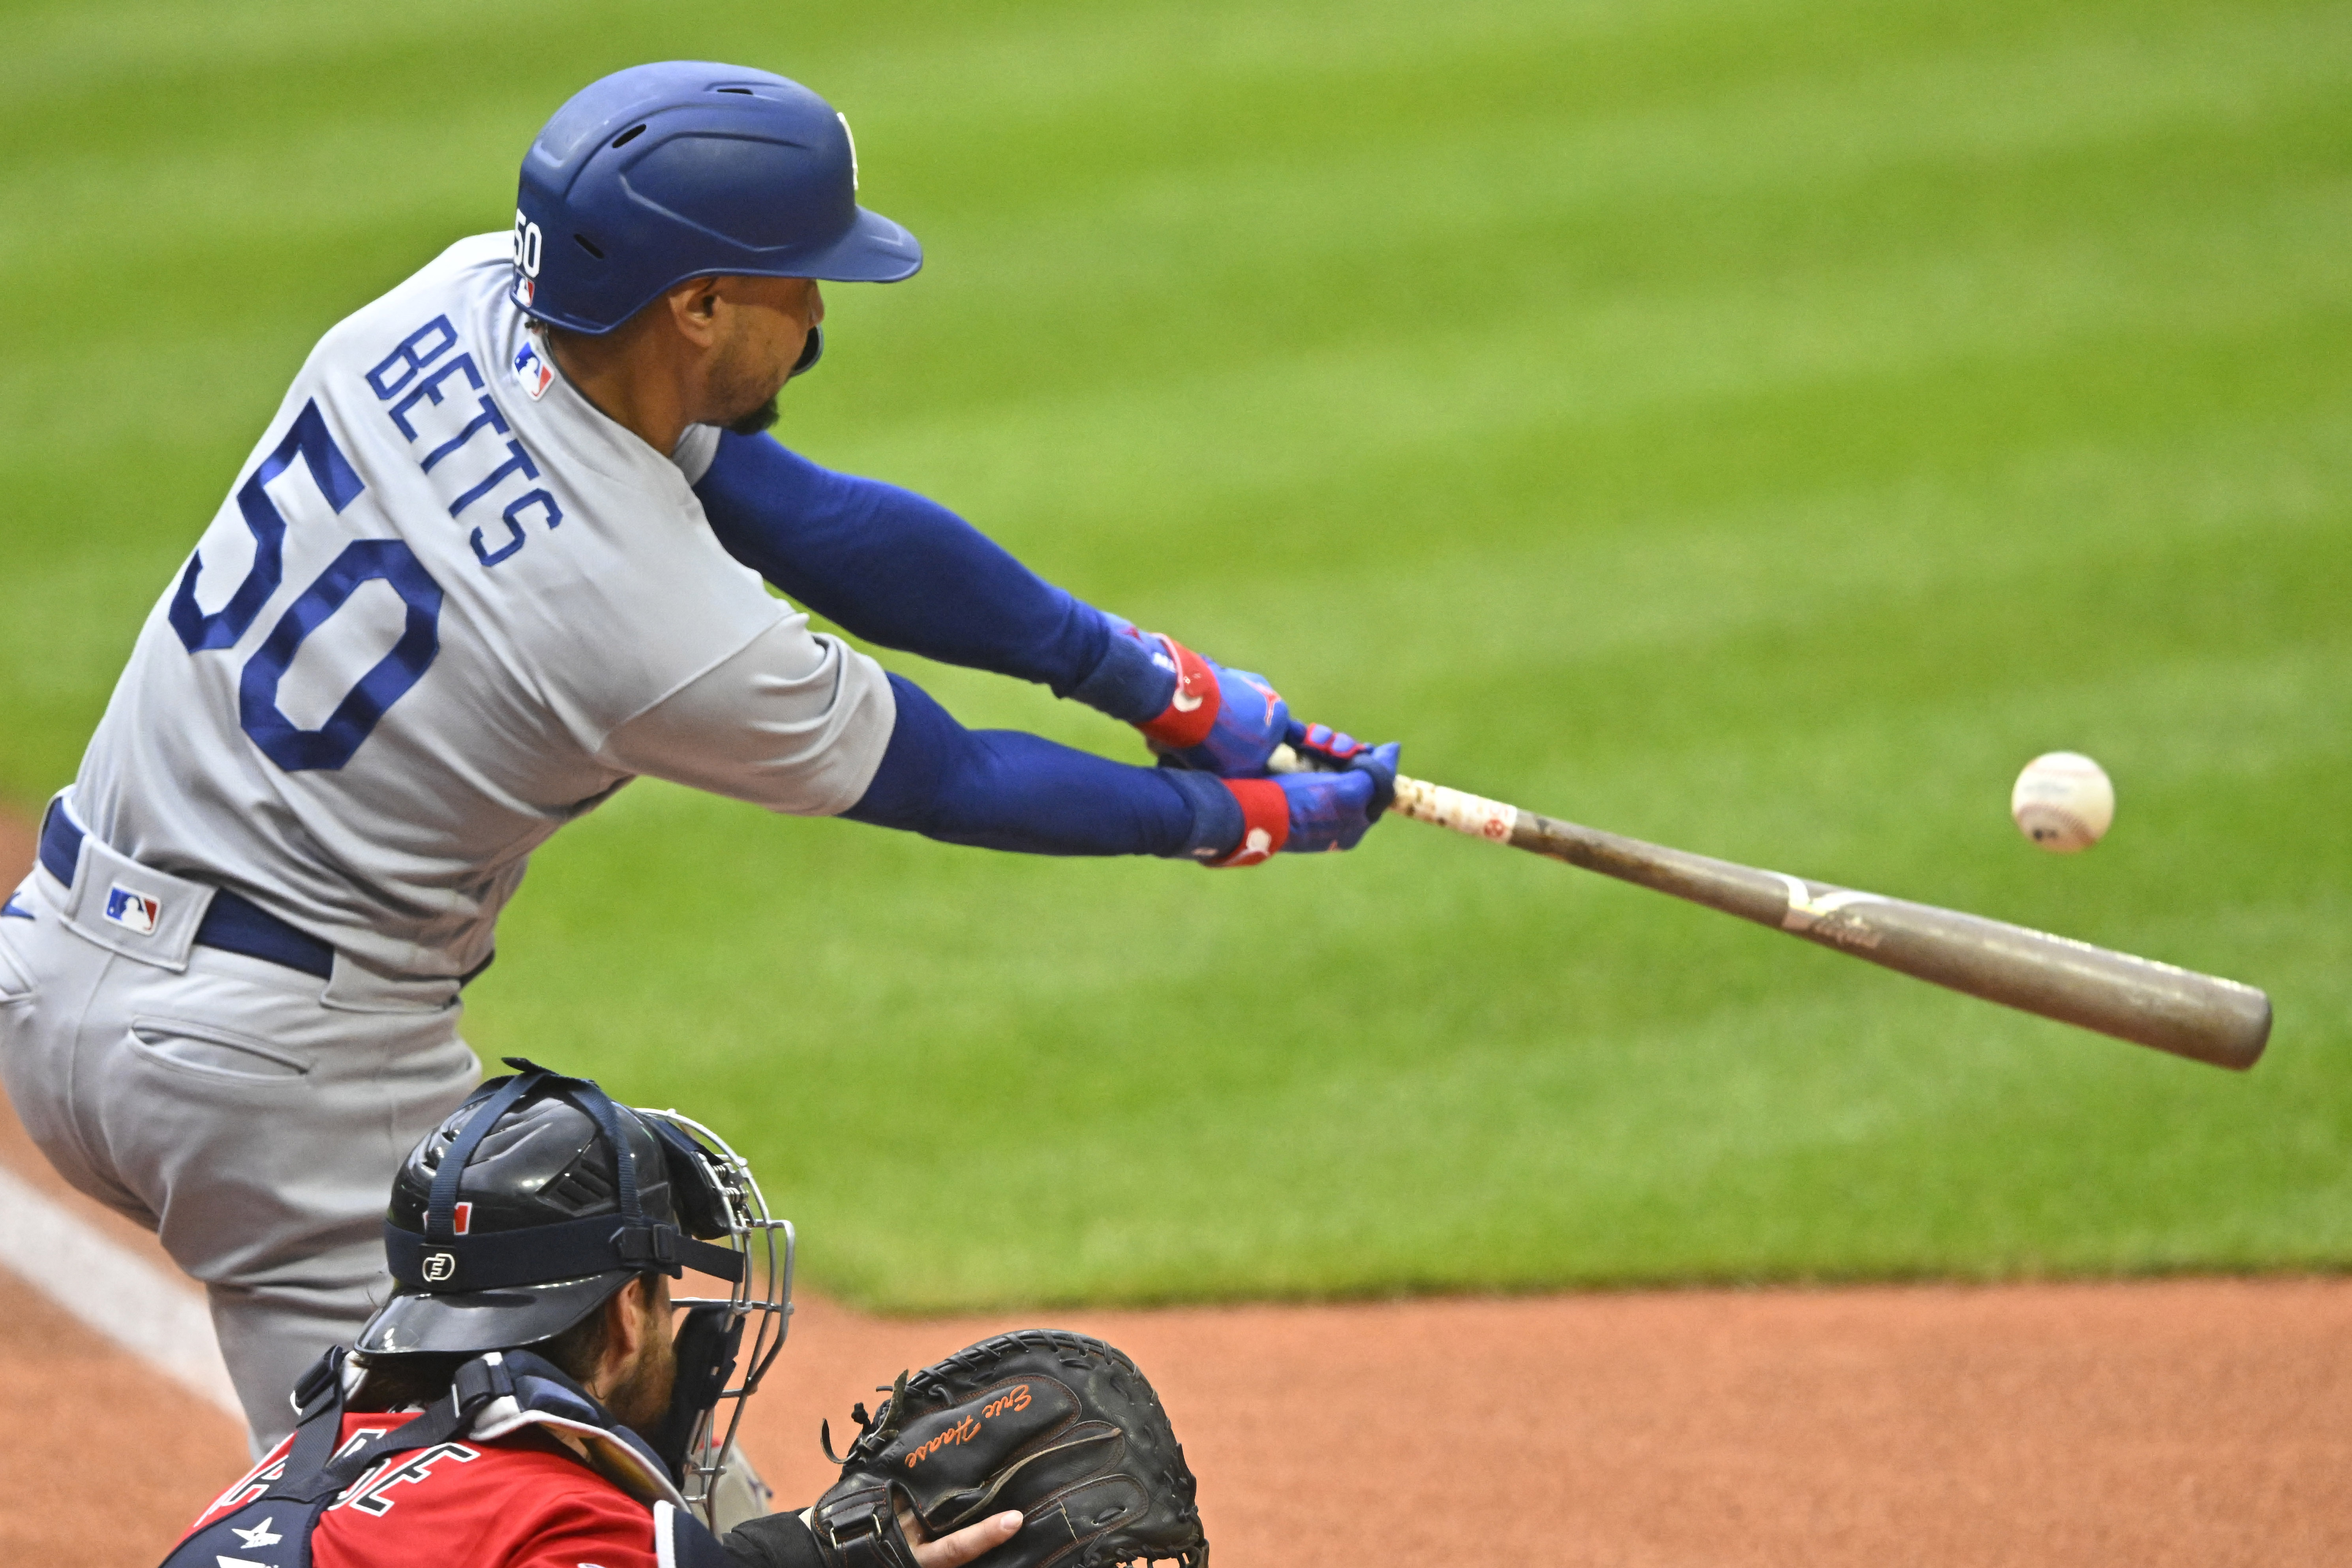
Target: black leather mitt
[(1058, 1425)]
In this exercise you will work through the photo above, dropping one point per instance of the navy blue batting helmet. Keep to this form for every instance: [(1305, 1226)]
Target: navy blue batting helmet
[(661, 173)]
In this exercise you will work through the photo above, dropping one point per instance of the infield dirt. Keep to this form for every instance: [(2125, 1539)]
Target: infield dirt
[(2184, 1421)]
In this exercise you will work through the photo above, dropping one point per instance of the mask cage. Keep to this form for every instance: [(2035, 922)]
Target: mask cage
[(761, 1302)]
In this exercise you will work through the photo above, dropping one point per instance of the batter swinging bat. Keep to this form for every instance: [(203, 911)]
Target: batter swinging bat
[(2196, 1015)]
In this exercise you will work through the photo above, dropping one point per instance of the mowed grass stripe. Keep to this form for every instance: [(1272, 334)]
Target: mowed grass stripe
[(2024, 484), (1225, 436), (1448, 212)]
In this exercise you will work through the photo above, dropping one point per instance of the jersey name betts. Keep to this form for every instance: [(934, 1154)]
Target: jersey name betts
[(448, 606)]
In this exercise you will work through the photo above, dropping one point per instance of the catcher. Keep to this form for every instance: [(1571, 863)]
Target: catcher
[(534, 1397)]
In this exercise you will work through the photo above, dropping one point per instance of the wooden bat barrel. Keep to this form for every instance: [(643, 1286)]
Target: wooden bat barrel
[(2201, 1016)]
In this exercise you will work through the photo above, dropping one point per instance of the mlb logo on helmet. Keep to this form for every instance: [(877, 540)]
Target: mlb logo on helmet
[(132, 911), (526, 290), (535, 373), (440, 1267)]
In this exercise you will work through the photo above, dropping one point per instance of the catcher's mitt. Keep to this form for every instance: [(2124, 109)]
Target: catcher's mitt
[(1058, 1425)]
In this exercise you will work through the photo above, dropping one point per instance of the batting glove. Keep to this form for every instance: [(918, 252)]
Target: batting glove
[(1311, 813), (1219, 720), (1192, 711), (1324, 748)]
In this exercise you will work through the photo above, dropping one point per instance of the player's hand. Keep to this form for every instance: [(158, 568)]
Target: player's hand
[(1321, 749), (1326, 750), (1313, 811), (1335, 810), (1219, 720), (1252, 721), (959, 1547)]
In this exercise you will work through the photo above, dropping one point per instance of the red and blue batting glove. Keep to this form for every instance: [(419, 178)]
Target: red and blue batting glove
[(1326, 750), (1220, 720), (1314, 812)]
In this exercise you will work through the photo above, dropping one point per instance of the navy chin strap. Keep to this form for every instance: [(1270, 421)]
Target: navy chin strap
[(441, 1261)]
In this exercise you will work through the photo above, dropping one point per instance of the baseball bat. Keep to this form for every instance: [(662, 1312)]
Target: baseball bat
[(2201, 1016)]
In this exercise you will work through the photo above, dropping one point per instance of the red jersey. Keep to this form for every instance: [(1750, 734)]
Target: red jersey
[(516, 1501)]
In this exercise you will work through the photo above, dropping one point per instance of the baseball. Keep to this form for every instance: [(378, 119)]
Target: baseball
[(2063, 802)]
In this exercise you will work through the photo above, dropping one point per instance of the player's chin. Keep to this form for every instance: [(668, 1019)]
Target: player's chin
[(757, 419)]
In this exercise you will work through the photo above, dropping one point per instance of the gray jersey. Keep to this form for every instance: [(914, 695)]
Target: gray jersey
[(448, 607)]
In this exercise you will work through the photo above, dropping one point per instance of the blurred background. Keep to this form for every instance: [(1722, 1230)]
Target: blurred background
[(1758, 425)]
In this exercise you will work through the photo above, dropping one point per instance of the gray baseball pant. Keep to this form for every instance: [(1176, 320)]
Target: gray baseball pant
[(232, 1109)]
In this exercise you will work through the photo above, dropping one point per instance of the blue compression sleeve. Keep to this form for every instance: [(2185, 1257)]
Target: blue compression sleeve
[(895, 568), (1004, 789)]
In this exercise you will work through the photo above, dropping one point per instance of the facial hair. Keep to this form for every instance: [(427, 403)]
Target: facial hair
[(759, 419), (736, 384), (641, 1399)]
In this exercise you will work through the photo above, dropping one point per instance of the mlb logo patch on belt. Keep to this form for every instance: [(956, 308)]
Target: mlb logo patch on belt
[(132, 911)]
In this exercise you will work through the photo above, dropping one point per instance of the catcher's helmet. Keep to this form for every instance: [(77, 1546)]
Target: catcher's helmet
[(532, 1203), (661, 173), (539, 1198)]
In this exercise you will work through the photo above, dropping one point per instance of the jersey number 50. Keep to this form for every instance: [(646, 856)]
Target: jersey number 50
[(391, 561)]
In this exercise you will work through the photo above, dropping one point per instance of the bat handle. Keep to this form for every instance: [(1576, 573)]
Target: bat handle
[(1473, 815)]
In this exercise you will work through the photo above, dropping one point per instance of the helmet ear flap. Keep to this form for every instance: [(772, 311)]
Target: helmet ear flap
[(703, 1210)]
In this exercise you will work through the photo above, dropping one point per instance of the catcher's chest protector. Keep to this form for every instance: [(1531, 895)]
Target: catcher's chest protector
[(272, 1530), (272, 1527)]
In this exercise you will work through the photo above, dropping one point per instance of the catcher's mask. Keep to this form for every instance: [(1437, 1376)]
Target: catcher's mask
[(540, 1197)]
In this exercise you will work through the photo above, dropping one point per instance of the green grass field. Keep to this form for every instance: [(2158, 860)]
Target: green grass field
[(1758, 426)]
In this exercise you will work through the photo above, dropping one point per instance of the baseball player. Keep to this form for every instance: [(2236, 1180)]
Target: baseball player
[(525, 1398), (505, 546)]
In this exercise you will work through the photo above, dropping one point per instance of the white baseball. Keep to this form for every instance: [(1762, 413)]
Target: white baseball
[(2063, 802)]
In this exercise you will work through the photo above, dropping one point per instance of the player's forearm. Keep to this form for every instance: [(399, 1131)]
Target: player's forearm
[(1001, 789), (896, 568)]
